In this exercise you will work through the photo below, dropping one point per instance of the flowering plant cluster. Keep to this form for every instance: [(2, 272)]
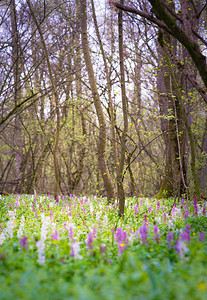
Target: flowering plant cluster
[(72, 233)]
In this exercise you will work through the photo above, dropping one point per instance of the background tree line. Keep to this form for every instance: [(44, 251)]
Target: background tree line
[(103, 98)]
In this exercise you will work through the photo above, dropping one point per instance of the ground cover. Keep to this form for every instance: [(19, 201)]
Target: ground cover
[(78, 248)]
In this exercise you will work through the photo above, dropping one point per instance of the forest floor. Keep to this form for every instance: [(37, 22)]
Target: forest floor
[(79, 248)]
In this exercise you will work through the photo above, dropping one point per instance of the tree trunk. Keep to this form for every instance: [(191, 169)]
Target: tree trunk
[(17, 95), (108, 184), (56, 100), (120, 188)]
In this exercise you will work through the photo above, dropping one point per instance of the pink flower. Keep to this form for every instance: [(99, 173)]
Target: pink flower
[(157, 235), (122, 239), (24, 242), (136, 209), (143, 233), (55, 236), (169, 239)]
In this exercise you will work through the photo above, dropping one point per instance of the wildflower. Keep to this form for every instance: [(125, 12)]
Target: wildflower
[(185, 237), (11, 223), (186, 214), (158, 205), (181, 248), (89, 241), (143, 233), (55, 236), (122, 239), (75, 249), (150, 209), (21, 227), (201, 236), (24, 242), (120, 235), (136, 209), (169, 239), (157, 235), (121, 246), (164, 217), (2, 238), (204, 210), (90, 238), (187, 229), (182, 201), (70, 233), (195, 205), (202, 286), (41, 249)]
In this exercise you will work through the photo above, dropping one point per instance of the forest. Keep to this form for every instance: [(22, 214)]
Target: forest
[(103, 98), (103, 149)]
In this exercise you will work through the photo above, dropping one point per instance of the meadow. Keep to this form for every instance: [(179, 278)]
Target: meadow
[(79, 248)]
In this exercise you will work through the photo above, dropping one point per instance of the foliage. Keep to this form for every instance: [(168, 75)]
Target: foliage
[(78, 248)]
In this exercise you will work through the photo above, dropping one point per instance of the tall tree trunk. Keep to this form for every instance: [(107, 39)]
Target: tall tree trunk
[(120, 187), (108, 184), (17, 96), (111, 108), (56, 99), (173, 177)]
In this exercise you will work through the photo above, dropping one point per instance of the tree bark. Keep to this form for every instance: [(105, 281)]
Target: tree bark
[(56, 99), (120, 188), (17, 96), (108, 184)]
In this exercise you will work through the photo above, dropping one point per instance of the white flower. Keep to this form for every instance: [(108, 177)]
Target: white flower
[(2, 238), (11, 223), (41, 252), (170, 224), (75, 248), (182, 249), (21, 227)]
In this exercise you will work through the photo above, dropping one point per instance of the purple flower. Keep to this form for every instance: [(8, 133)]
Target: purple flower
[(156, 233), (164, 217), (195, 205), (169, 239), (187, 229), (158, 205), (89, 241), (186, 214), (185, 237), (181, 248), (120, 235), (122, 239), (182, 201), (136, 209), (143, 233), (55, 236), (201, 236), (70, 233), (90, 238), (24, 242), (149, 209), (204, 209)]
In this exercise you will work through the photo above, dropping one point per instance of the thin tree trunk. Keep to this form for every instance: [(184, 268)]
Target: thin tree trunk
[(108, 184), (188, 127), (17, 95), (111, 108), (56, 98), (120, 188)]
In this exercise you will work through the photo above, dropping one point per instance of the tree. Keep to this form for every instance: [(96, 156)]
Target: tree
[(97, 102)]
